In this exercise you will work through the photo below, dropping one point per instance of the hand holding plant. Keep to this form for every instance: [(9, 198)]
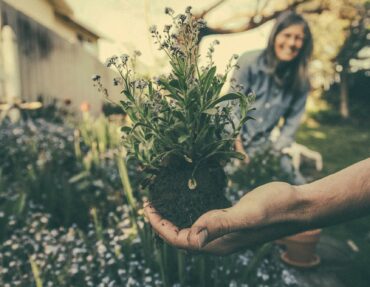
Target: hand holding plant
[(251, 221)]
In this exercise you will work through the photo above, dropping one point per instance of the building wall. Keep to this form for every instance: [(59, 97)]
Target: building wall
[(42, 12), (50, 66)]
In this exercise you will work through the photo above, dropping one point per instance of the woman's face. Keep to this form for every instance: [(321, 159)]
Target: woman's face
[(288, 42)]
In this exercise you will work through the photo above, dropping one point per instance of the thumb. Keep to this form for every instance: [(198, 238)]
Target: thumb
[(209, 226)]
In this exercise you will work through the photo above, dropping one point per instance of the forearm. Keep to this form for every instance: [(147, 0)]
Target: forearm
[(342, 196)]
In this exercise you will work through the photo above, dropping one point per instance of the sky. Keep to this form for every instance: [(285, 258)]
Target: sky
[(124, 26)]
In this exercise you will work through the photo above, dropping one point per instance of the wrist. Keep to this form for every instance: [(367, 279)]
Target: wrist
[(291, 207), (304, 206), (272, 203)]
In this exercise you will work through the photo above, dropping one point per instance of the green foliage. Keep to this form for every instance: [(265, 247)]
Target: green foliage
[(264, 167), (66, 170), (181, 115)]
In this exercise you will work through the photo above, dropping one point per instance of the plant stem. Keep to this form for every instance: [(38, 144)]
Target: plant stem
[(125, 182), (181, 266), (36, 273), (202, 271)]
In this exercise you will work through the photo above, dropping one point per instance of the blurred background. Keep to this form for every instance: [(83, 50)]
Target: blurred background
[(69, 216)]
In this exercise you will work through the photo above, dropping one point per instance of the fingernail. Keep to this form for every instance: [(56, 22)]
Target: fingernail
[(203, 234)]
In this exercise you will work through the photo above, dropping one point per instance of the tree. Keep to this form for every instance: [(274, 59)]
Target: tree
[(358, 37)]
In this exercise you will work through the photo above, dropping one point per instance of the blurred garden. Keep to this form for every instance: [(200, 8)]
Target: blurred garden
[(71, 194)]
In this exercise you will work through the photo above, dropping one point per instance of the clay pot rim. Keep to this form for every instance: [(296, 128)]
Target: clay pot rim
[(314, 262), (307, 236)]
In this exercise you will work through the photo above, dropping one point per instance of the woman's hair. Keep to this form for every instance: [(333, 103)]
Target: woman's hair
[(293, 76)]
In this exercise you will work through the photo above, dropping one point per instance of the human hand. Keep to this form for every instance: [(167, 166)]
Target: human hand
[(195, 238), (255, 219)]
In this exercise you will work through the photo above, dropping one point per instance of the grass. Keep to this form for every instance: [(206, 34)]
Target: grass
[(342, 145)]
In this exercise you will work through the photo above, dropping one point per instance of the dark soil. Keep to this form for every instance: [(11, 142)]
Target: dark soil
[(172, 198)]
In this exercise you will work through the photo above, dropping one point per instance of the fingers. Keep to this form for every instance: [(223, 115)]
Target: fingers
[(226, 244), (158, 222), (197, 237), (166, 229), (208, 227)]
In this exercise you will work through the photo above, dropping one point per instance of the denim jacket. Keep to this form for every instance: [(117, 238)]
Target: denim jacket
[(271, 103)]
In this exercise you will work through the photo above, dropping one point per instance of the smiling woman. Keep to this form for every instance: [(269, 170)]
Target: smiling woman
[(278, 77), (289, 42)]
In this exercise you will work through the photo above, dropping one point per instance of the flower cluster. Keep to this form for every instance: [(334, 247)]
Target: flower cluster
[(181, 38), (211, 50), (97, 81)]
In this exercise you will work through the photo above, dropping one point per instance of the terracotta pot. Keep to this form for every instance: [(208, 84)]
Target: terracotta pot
[(301, 249)]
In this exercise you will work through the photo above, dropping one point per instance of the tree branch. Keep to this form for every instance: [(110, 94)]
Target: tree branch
[(209, 9), (254, 20)]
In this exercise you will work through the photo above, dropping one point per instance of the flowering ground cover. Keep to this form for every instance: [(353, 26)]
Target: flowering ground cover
[(70, 217)]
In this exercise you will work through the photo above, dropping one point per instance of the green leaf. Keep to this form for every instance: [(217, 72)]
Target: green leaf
[(154, 119), (125, 106), (36, 272), (211, 111), (227, 97), (173, 92), (178, 85), (78, 177), (193, 94), (201, 135), (140, 124), (237, 155), (129, 95), (175, 97), (226, 155), (188, 159), (126, 129), (183, 138), (216, 146), (208, 79), (178, 114), (246, 118), (150, 88)]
